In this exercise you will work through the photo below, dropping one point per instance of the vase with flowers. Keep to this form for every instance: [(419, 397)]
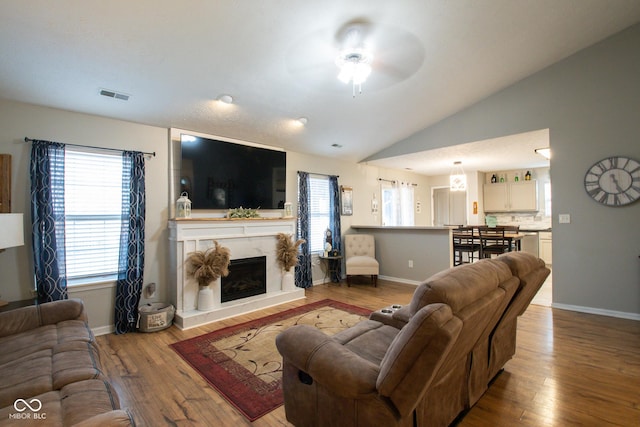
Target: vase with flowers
[(207, 267), (287, 257)]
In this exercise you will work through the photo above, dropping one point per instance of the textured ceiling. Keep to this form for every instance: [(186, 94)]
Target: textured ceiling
[(276, 58)]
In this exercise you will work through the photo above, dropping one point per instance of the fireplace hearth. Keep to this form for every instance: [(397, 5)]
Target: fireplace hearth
[(247, 277)]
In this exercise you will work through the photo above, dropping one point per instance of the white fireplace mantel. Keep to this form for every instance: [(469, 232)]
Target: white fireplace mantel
[(245, 238)]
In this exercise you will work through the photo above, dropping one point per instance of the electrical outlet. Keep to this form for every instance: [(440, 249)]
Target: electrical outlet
[(564, 219), (410, 263)]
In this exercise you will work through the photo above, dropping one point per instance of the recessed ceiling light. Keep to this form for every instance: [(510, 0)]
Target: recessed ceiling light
[(227, 99), (303, 120)]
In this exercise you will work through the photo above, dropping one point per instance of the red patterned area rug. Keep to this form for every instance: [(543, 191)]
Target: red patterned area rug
[(242, 361)]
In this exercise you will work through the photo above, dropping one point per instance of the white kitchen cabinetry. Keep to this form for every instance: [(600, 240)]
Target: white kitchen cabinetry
[(544, 246), (511, 196)]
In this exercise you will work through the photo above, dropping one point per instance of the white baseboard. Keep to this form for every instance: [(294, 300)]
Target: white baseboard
[(103, 330), (598, 311), (391, 279), (400, 280)]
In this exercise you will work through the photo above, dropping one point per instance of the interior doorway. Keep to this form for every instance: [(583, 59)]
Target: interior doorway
[(449, 207)]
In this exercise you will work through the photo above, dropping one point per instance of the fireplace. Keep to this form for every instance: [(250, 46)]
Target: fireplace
[(247, 277), (246, 238)]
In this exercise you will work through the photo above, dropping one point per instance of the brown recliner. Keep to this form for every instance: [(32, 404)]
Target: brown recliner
[(370, 374), (476, 294), (495, 350)]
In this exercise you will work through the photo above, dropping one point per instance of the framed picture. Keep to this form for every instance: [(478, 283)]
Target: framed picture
[(346, 200)]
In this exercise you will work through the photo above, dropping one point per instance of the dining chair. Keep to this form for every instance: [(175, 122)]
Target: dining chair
[(466, 241), (493, 241), (512, 229)]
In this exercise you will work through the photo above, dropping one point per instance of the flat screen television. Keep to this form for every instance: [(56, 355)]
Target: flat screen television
[(224, 175)]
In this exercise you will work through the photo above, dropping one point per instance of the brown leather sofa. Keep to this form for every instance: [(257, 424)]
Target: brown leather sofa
[(356, 377), (50, 369), (490, 354)]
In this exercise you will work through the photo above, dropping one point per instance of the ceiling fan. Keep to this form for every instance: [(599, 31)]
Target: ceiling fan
[(380, 54)]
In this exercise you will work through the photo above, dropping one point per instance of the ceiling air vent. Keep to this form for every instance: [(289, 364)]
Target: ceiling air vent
[(114, 94)]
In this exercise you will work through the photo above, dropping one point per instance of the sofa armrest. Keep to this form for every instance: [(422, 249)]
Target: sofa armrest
[(27, 318), (397, 318), (58, 311), (115, 418), (328, 362)]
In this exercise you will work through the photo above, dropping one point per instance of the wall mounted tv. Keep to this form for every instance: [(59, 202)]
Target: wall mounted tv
[(222, 175)]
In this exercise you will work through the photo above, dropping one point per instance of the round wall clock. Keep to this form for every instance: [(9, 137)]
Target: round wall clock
[(614, 181)]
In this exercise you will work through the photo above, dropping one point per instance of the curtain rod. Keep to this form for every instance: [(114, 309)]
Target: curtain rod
[(320, 174), (26, 139), (393, 181)]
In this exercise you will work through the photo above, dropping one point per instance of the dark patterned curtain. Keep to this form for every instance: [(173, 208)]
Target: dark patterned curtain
[(47, 219), (303, 269), (131, 260), (334, 222)]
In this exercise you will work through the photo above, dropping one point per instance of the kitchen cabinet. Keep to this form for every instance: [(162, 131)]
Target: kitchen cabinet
[(511, 196), (544, 246)]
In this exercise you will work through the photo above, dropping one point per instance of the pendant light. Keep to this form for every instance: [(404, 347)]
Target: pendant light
[(457, 179)]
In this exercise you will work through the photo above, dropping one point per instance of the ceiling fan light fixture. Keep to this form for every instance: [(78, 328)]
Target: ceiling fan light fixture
[(355, 67)]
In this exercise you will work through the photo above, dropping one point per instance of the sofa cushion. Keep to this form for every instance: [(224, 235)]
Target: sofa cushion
[(26, 377), (74, 361), (368, 339), (46, 358), (18, 345), (89, 402)]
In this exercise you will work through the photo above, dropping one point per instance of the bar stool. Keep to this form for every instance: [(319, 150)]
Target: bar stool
[(465, 241), (493, 241)]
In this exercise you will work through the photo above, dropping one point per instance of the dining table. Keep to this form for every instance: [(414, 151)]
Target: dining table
[(513, 238)]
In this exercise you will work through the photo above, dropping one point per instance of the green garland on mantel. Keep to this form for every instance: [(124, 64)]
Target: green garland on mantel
[(243, 213)]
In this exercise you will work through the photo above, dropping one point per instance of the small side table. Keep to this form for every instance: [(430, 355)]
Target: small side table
[(332, 267)]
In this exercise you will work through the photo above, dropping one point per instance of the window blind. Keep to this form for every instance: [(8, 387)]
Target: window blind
[(93, 201), (319, 211)]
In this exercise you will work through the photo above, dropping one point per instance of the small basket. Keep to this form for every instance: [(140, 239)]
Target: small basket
[(155, 316)]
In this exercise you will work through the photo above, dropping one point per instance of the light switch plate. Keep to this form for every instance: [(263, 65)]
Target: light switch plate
[(564, 218)]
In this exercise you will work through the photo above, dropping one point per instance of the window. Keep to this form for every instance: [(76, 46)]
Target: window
[(93, 201), (319, 204), (397, 203)]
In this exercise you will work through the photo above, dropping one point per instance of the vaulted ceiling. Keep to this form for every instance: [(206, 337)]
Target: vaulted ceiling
[(276, 58)]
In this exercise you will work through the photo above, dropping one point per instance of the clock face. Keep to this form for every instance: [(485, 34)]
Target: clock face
[(614, 181)]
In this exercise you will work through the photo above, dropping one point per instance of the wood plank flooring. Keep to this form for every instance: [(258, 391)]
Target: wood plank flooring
[(570, 369)]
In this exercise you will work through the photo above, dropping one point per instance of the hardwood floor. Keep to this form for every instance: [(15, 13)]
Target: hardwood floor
[(569, 369)]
